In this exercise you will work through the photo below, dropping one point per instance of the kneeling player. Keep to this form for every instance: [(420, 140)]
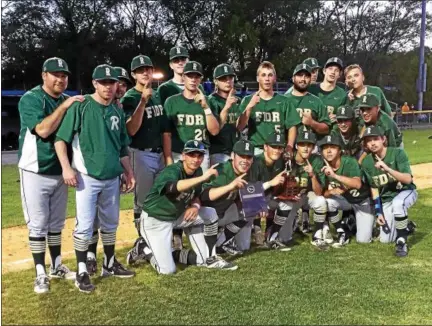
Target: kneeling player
[(345, 190), (388, 172), (173, 202)]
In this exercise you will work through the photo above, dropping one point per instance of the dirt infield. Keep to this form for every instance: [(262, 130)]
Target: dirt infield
[(16, 254)]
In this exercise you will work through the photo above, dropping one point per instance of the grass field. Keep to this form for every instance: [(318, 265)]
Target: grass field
[(358, 284), (420, 152)]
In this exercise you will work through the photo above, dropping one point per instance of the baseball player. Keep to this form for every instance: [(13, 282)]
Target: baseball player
[(313, 63), (345, 190), (389, 175), (354, 78), (224, 104), (173, 202), (96, 129), (347, 131), (122, 85), (371, 114), (43, 192), (330, 94), (221, 193), (267, 112), (311, 109)]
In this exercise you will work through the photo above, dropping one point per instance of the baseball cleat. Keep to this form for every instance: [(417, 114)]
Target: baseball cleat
[(41, 284), (177, 242), (318, 240), (136, 254), (411, 227), (117, 270), (401, 248), (230, 248), (342, 240), (83, 283), (278, 245), (91, 265), (217, 262), (327, 236), (62, 271)]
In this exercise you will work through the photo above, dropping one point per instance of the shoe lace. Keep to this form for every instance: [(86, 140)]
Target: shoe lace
[(64, 269)]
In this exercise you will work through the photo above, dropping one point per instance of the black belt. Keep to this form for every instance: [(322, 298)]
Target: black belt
[(152, 150)]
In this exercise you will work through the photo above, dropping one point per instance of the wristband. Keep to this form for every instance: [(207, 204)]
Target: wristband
[(196, 205), (378, 206), (208, 111)]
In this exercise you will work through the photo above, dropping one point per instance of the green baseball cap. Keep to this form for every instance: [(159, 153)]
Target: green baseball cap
[(330, 140), (373, 131), (306, 136), (223, 69), (334, 61), (178, 52), (193, 67), (302, 67), (122, 74), (141, 61), (345, 113), (368, 100), (275, 139), (244, 147), (104, 72), (312, 62), (194, 146), (55, 65)]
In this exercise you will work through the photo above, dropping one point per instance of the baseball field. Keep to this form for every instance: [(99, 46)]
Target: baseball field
[(358, 284)]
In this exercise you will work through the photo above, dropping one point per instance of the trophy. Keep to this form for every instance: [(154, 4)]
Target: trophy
[(289, 190)]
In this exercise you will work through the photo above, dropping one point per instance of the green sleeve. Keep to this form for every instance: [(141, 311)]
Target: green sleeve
[(292, 118), (168, 175), (353, 169), (317, 165), (124, 137), (163, 93), (385, 104), (215, 182), (71, 123), (391, 140), (31, 111), (128, 106), (214, 106), (169, 118), (366, 168), (323, 114), (402, 162), (244, 104)]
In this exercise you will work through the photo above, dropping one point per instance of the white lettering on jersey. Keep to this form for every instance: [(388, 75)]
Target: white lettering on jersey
[(114, 122), (190, 119), (267, 116), (154, 111)]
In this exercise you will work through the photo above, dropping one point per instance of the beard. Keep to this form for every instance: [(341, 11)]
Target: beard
[(300, 89)]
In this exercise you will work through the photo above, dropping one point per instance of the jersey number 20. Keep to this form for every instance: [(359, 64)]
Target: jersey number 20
[(200, 134)]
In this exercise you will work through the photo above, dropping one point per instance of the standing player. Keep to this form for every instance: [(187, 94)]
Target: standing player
[(345, 190), (389, 174), (97, 130), (173, 202), (311, 109), (330, 94), (354, 78), (123, 82), (267, 112), (313, 63), (372, 115), (346, 130), (43, 192), (224, 105)]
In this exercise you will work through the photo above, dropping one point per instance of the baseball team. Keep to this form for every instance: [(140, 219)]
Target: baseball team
[(187, 157)]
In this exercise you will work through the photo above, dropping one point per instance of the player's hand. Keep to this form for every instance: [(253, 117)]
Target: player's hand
[(337, 191), (238, 182), (190, 214), (380, 219), (277, 180), (146, 92), (129, 182), (328, 170), (201, 99), (168, 161), (380, 164), (255, 99), (231, 99), (69, 177), (351, 96), (263, 214), (307, 118), (308, 169), (70, 100), (332, 117), (288, 153), (210, 172)]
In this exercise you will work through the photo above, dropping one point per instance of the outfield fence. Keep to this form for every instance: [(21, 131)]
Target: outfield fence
[(414, 119)]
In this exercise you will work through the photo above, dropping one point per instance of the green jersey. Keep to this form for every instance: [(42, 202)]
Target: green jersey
[(289, 91), (309, 103), (349, 167), (351, 146), (170, 88), (269, 116), (332, 100), (389, 127), (153, 125), (260, 171), (36, 154), (169, 207), (226, 176), (388, 186), (224, 141), (186, 121), (302, 177), (98, 135), (385, 106)]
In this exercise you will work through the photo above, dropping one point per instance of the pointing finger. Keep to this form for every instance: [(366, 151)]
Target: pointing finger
[(327, 163)]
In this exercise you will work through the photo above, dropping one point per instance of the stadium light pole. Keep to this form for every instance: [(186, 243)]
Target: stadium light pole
[(421, 81)]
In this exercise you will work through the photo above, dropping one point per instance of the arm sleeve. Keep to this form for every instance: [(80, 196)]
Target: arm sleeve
[(317, 165), (168, 176), (31, 111), (71, 123), (169, 119), (244, 104), (391, 140), (161, 92)]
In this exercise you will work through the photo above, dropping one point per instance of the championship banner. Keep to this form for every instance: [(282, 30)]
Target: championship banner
[(253, 199)]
